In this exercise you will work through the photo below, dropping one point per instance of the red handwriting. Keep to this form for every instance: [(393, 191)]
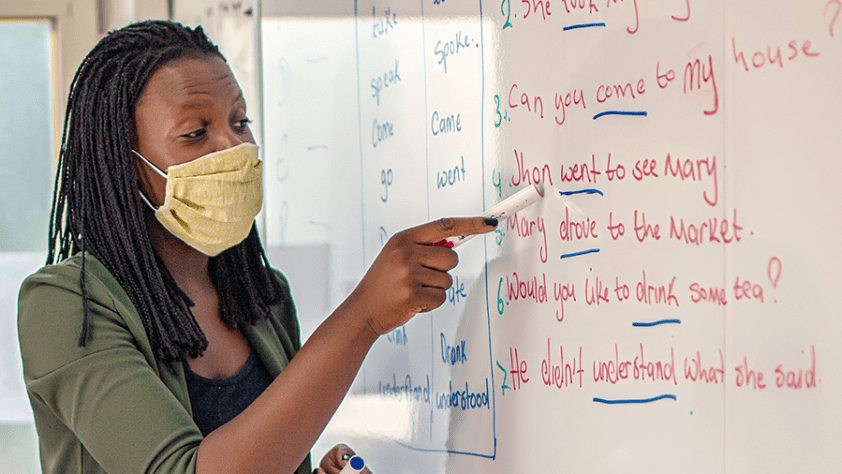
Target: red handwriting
[(534, 176), (636, 16), (573, 5), (838, 4), (524, 227), (562, 293), (711, 294), (686, 17), (619, 91), (692, 170), (695, 371), (644, 230), (595, 293), (525, 289), (712, 230), (576, 230), (562, 102), (747, 290), (515, 101), (537, 6), (518, 370), (651, 294), (747, 377), (578, 173), (561, 374), (796, 379), (613, 371), (758, 59), (697, 72)]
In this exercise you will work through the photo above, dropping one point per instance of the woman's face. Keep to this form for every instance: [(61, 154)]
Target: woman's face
[(187, 109)]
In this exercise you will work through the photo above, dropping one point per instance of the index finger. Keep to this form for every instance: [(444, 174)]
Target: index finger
[(438, 230)]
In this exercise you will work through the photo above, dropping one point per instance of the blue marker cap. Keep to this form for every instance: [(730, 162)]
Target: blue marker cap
[(357, 462)]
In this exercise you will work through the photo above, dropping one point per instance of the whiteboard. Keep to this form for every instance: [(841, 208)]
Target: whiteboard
[(669, 306)]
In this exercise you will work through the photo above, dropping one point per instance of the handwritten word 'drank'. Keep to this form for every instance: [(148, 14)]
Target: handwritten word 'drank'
[(398, 336), (446, 48), (561, 374), (524, 228), (388, 78), (455, 354), (618, 369)]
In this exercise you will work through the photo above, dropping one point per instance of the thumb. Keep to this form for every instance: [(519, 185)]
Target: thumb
[(445, 227)]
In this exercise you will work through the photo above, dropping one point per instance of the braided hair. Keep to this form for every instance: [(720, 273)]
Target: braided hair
[(97, 207)]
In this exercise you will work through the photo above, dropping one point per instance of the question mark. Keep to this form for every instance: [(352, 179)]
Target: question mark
[(773, 271), (838, 4)]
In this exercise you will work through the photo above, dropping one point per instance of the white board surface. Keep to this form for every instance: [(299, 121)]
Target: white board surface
[(670, 306)]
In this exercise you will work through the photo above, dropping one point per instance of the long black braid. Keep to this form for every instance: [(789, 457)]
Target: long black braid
[(97, 208)]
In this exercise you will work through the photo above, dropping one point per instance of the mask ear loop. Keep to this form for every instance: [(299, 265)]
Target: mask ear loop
[(154, 168)]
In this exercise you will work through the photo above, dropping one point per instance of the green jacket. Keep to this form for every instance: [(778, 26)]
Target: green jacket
[(111, 406)]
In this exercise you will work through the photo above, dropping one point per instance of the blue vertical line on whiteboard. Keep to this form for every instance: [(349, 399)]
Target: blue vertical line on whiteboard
[(582, 25), (629, 401), (656, 323), (360, 126), (426, 138), (427, 182), (485, 247), (636, 113), (576, 254)]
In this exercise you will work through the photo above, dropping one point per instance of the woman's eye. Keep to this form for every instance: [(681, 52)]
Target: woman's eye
[(244, 123), (195, 134)]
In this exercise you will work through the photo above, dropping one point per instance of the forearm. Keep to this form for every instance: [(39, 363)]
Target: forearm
[(276, 432)]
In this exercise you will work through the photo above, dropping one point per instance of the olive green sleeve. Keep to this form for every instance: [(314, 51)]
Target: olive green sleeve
[(102, 407)]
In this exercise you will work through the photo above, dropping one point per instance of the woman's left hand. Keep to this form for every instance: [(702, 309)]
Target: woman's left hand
[(335, 459)]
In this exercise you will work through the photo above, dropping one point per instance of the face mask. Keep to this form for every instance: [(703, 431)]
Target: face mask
[(211, 202)]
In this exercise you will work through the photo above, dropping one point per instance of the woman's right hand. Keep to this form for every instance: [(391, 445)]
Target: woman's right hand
[(409, 275)]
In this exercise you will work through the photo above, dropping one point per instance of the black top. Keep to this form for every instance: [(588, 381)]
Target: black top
[(216, 401)]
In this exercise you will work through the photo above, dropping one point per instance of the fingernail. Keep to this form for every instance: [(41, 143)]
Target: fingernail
[(443, 243), (491, 221), (346, 457)]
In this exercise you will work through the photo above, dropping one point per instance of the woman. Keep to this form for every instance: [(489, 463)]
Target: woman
[(157, 338)]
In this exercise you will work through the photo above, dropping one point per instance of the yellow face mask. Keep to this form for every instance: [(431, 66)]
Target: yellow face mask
[(211, 202)]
